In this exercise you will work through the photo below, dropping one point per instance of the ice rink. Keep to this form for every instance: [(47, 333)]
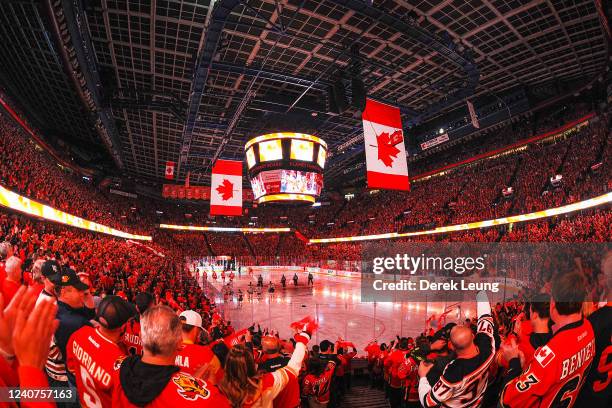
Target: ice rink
[(335, 301)]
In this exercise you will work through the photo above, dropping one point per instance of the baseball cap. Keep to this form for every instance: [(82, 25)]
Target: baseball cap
[(50, 268), (113, 312), (192, 318), (68, 277)]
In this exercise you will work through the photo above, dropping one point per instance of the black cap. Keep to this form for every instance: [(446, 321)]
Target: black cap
[(68, 277), (50, 268), (113, 312)]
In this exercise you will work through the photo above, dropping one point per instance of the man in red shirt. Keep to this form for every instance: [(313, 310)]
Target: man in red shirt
[(6, 251), (558, 370), (392, 364), (193, 358), (153, 379), (93, 354), (539, 318), (131, 339), (13, 278)]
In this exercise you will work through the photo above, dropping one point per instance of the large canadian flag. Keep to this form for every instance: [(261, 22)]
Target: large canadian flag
[(170, 170), (226, 188), (384, 147)]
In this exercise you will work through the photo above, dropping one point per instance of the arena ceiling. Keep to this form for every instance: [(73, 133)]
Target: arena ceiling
[(150, 81)]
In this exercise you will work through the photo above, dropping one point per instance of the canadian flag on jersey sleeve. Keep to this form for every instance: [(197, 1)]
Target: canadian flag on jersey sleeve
[(226, 188), (170, 170), (384, 147)]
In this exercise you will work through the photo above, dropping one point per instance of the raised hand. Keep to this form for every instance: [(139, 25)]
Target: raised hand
[(24, 299), (40, 324)]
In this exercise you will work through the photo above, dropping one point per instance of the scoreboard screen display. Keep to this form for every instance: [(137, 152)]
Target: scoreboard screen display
[(286, 166)]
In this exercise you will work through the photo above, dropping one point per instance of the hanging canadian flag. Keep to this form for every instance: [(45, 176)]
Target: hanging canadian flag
[(384, 147), (169, 170), (473, 116), (226, 188)]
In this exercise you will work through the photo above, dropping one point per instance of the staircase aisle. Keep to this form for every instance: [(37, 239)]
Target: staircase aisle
[(364, 397)]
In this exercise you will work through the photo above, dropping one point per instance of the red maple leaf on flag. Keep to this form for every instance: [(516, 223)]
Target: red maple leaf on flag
[(386, 147), (226, 189)]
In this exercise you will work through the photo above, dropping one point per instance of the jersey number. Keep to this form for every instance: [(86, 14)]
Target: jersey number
[(90, 398), (523, 386), (605, 369), (567, 394)]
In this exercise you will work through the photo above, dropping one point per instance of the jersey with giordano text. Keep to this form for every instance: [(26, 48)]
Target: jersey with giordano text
[(464, 380), (93, 360), (557, 371)]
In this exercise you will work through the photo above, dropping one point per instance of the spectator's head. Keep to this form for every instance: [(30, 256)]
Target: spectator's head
[(69, 288), (37, 275), (539, 308), (160, 333), (240, 375), (143, 301), (50, 271), (403, 343), (462, 339), (568, 294), (315, 366), (270, 345), (191, 326), (113, 313), (326, 346), (6, 250), (13, 269)]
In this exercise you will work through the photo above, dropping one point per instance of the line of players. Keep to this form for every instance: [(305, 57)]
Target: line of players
[(256, 291)]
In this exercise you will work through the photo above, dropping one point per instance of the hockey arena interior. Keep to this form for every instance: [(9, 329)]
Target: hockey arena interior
[(305, 203)]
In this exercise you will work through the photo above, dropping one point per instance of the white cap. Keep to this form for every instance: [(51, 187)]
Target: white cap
[(192, 318)]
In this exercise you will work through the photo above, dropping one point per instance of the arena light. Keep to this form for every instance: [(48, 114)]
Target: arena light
[(284, 135), (222, 229), (25, 205), (286, 197), (566, 209)]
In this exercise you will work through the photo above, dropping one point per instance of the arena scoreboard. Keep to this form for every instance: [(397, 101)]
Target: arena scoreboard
[(286, 167)]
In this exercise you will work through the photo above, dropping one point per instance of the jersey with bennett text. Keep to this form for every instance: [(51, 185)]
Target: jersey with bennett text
[(557, 372), (92, 359)]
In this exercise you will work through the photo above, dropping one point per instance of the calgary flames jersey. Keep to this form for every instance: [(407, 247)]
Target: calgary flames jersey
[(557, 372), (183, 390), (193, 356), (319, 386), (464, 380), (92, 359), (597, 390), (131, 338)]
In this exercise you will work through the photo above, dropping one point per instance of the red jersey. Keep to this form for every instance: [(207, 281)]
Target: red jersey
[(92, 358), (407, 371), (319, 387), (182, 390), (392, 364), (557, 372), (193, 356), (131, 338)]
